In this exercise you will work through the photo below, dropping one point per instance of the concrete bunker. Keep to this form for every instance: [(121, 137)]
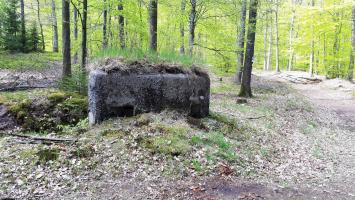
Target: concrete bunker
[(122, 90)]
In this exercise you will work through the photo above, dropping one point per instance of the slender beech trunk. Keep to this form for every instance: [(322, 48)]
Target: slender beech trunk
[(311, 60), (351, 66), (153, 25), (23, 26), (40, 25), (75, 15), (84, 36), (182, 27), (109, 29), (277, 36), (265, 43), (311, 57), (241, 41), (245, 90), (66, 38), (192, 26), (121, 26), (269, 55), (292, 28), (54, 27), (104, 27)]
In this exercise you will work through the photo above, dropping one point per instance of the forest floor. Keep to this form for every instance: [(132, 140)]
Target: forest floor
[(291, 141)]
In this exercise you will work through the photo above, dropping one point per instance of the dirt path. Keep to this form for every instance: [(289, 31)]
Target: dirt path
[(337, 98)]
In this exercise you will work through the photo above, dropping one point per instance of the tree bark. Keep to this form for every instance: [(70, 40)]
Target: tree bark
[(269, 55), (292, 28), (40, 26), (121, 26), (23, 26), (351, 66), (75, 14), (104, 27), (54, 27), (153, 25), (277, 36), (182, 27), (241, 41), (84, 36), (245, 90), (192, 26), (66, 38), (311, 57), (265, 41)]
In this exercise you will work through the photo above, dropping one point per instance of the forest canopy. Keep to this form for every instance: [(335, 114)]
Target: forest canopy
[(308, 35)]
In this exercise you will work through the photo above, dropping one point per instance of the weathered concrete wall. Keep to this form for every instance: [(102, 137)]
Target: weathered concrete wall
[(117, 94)]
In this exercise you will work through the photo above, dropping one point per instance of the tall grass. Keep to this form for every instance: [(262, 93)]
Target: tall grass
[(138, 54)]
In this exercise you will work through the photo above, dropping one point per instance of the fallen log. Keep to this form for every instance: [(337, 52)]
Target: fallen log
[(42, 139)]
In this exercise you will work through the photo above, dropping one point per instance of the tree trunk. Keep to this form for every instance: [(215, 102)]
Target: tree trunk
[(54, 27), (265, 42), (269, 55), (311, 57), (84, 36), (40, 26), (66, 38), (182, 27), (121, 26), (245, 90), (104, 27), (241, 41), (292, 28), (277, 36), (75, 13), (153, 25), (351, 66), (192, 26), (23, 26)]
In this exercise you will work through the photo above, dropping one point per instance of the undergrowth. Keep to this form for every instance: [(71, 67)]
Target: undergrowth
[(28, 61)]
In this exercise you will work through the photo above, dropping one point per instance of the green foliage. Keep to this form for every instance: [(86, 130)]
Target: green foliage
[(33, 39), (139, 54), (11, 26), (77, 82)]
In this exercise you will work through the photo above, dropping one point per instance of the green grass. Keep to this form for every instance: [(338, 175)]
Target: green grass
[(29, 61), (173, 141), (138, 54), (19, 96), (217, 145), (225, 88)]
